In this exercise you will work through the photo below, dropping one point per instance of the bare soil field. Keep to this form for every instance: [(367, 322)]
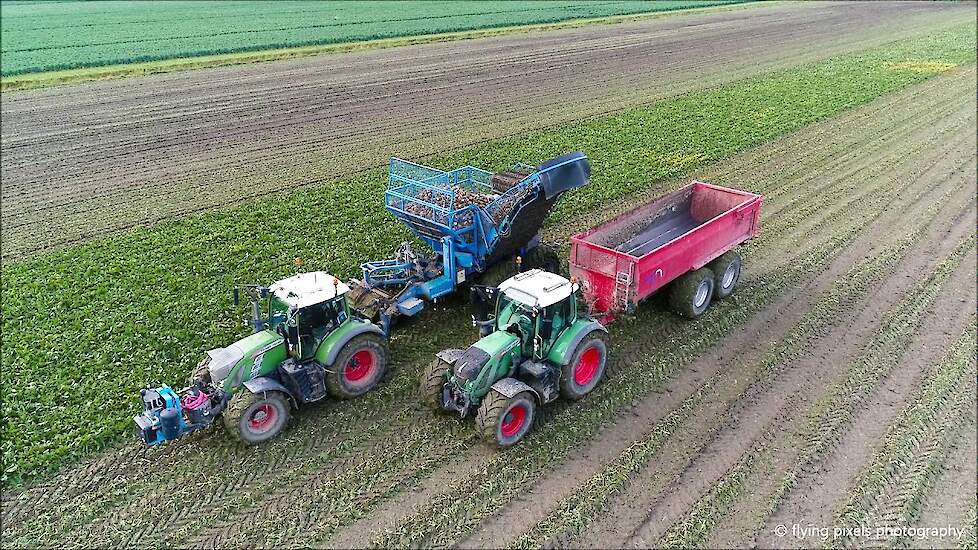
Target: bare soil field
[(837, 388), (96, 158)]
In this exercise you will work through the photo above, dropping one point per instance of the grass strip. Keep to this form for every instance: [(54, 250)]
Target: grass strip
[(85, 327), (77, 70)]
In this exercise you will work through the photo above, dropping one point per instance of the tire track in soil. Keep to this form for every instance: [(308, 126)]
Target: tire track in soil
[(814, 501), (603, 540), (952, 500), (831, 414), (383, 540), (203, 182)]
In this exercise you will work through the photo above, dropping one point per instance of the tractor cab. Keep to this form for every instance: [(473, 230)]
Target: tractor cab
[(536, 306), (305, 309)]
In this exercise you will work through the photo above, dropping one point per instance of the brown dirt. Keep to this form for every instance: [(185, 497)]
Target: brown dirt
[(167, 145)]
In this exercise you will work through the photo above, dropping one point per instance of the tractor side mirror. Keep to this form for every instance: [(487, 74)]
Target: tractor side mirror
[(236, 294)]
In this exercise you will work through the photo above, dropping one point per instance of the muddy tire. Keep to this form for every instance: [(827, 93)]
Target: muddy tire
[(505, 420), (726, 272), (201, 372), (586, 367), (543, 257), (359, 367), (496, 274), (256, 417), (432, 382), (691, 294)]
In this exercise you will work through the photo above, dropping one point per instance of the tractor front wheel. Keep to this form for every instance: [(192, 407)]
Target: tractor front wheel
[(256, 417), (691, 294), (433, 381), (505, 420), (586, 368), (360, 366)]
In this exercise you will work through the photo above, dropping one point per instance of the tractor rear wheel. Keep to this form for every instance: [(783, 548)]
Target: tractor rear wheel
[(256, 417), (360, 366), (726, 270), (433, 381), (505, 420), (586, 367), (691, 294)]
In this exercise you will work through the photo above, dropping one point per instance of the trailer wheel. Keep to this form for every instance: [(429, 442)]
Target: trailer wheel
[(586, 367), (433, 381), (726, 270), (360, 365), (505, 420), (691, 293), (256, 417)]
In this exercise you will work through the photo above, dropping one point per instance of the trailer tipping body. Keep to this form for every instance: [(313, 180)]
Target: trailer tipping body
[(625, 260)]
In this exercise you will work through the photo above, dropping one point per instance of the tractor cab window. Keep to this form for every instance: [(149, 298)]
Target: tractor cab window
[(554, 320), (518, 318), (316, 322), (278, 311)]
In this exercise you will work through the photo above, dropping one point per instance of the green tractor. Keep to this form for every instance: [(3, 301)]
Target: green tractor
[(309, 345), (535, 347)]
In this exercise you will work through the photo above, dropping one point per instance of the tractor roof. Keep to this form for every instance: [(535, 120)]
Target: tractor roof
[(306, 289), (537, 288)]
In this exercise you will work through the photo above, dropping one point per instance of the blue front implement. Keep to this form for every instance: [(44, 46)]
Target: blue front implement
[(463, 216)]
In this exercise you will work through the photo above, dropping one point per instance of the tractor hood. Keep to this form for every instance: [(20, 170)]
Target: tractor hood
[(468, 366), (224, 359)]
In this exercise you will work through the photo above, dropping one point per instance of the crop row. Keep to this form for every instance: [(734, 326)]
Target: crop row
[(892, 485), (832, 413), (111, 316), (74, 34)]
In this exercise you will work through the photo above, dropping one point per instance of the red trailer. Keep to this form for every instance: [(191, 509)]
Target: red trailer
[(686, 235)]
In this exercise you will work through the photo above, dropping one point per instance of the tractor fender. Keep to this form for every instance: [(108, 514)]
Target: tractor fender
[(334, 342), (450, 355), (263, 384), (566, 345), (511, 386)]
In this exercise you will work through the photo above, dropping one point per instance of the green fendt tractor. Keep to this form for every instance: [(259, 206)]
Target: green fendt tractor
[(536, 347), (308, 346)]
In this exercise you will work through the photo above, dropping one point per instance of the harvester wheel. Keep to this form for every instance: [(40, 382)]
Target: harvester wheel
[(360, 365), (691, 294), (433, 381), (543, 257), (505, 420), (495, 275), (256, 417), (726, 270), (586, 367)]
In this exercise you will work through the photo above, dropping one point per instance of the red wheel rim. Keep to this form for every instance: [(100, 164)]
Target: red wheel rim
[(513, 420), (587, 366), (262, 417), (359, 366)]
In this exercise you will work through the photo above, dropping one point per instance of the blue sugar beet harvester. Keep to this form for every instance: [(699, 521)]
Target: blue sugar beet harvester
[(472, 220)]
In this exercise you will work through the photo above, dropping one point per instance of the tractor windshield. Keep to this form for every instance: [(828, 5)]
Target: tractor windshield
[(515, 314)]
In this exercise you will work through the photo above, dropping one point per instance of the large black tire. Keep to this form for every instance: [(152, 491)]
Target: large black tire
[(691, 294), (505, 420), (543, 257), (586, 367), (496, 274), (726, 272), (256, 417), (432, 382), (359, 367)]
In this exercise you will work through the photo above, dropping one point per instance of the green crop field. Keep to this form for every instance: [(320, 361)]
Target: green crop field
[(86, 327), (48, 36)]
